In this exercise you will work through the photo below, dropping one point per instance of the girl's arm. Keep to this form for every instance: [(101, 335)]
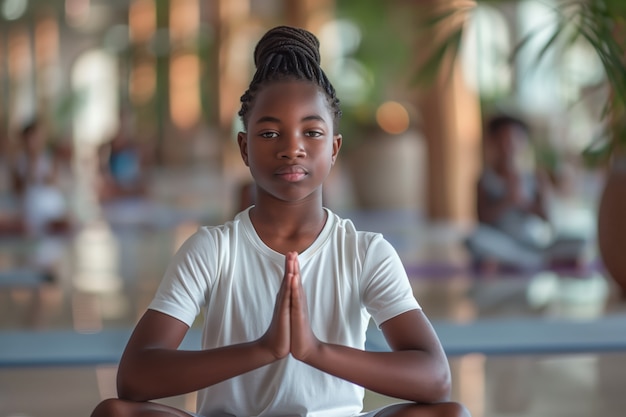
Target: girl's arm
[(152, 367), (416, 369)]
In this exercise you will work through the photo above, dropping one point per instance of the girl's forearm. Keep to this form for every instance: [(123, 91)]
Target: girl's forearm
[(411, 375), (154, 373)]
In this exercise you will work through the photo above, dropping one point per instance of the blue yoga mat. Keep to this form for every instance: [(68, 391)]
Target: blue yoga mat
[(526, 336), (503, 336), (69, 348), (22, 277)]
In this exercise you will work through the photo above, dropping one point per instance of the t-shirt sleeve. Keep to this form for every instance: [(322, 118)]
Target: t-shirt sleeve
[(385, 286), (187, 279)]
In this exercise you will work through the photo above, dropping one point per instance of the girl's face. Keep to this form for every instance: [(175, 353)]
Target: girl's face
[(290, 145)]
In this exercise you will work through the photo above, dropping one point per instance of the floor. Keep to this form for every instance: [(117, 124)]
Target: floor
[(108, 271)]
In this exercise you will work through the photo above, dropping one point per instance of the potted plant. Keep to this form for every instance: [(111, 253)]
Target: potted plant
[(602, 24)]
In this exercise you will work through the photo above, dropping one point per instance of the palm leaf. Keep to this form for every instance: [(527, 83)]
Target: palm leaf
[(448, 49), (439, 18), (450, 20)]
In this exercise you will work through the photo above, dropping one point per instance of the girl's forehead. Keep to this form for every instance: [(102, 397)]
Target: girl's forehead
[(291, 97)]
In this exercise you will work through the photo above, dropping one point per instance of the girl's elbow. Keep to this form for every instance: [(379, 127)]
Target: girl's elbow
[(129, 394), (131, 389), (442, 388), (443, 380), (126, 392), (439, 388)]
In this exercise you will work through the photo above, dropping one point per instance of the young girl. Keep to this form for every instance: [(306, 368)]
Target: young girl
[(287, 288)]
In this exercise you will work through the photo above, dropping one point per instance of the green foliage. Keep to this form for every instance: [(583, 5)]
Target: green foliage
[(452, 20), (385, 47), (611, 140), (385, 51), (601, 23)]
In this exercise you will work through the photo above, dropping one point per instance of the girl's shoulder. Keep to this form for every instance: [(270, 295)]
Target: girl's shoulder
[(346, 231), (227, 229)]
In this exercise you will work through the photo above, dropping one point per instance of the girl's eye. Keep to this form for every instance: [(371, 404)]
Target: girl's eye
[(314, 133), (269, 135)]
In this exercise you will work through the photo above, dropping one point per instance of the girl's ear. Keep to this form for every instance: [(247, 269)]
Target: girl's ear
[(242, 140), (337, 139)]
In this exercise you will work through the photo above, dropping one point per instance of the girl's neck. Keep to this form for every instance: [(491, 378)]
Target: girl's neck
[(288, 216), (288, 226)]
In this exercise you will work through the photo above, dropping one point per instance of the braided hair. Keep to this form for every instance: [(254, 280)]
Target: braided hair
[(288, 53)]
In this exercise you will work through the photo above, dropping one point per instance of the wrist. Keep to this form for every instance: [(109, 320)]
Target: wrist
[(314, 355), (266, 353)]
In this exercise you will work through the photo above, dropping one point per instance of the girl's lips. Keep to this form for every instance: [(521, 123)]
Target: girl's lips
[(292, 173)]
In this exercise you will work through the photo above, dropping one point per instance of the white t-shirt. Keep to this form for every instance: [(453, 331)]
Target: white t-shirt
[(227, 273)]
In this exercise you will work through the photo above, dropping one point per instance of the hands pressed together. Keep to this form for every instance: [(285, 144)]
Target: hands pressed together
[(290, 329)]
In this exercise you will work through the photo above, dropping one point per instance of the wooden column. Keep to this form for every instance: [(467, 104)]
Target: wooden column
[(452, 127), (163, 119), (4, 87), (231, 21), (308, 14)]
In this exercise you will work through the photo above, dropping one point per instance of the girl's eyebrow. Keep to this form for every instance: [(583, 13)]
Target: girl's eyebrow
[(271, 119), (313, 117)]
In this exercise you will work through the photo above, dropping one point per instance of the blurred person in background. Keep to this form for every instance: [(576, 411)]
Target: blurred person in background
[(11, 221), (42, 207), (34, 173), (122, 163), (514, 231), (123, 183)]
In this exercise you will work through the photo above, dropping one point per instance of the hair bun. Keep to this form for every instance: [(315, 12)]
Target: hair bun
[(287, 53), (286, 40)]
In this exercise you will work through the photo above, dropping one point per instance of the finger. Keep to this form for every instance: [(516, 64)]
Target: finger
[(289, 263), (278, 335), (282, 290), (296, 265), (298, 298), (284, 304), (283, 298), (303, 341), (295, 290), (289, 269)]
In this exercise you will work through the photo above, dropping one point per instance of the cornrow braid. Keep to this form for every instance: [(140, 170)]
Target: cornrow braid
[(285, 53)]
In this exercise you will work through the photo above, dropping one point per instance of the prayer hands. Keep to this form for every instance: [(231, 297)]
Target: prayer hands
[(290, 330)]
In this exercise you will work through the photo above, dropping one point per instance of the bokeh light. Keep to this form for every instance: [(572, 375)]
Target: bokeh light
[(14, 9), (393, 117)]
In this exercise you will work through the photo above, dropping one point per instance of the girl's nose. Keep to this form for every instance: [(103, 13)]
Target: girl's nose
[(291, 147)]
